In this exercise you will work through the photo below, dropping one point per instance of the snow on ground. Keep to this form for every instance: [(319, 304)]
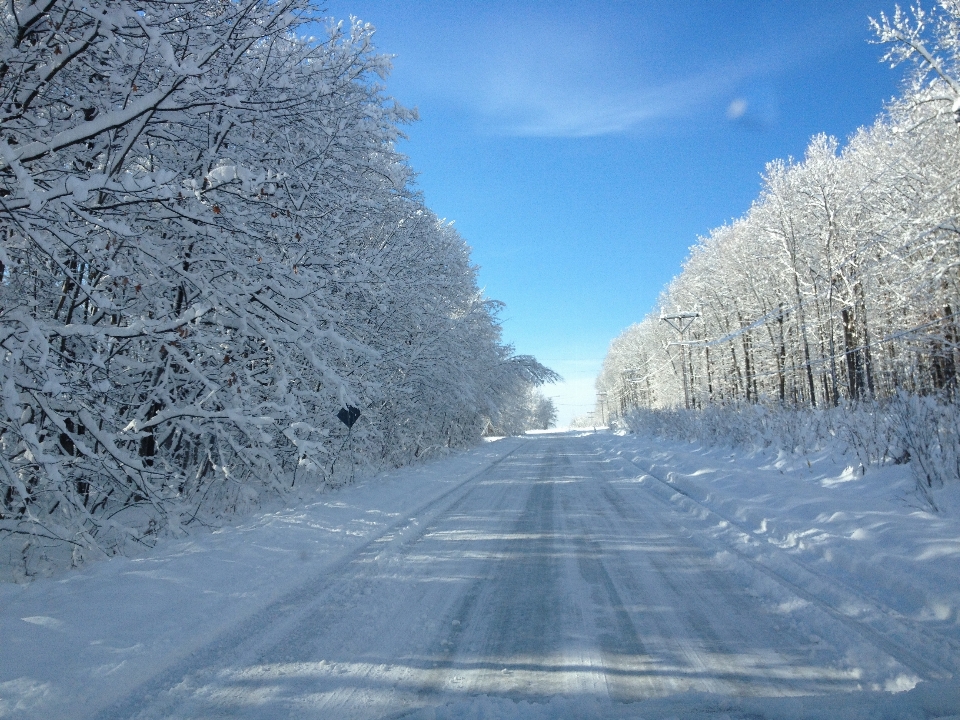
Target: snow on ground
[(70, 644), (866, 530), (846, 562)]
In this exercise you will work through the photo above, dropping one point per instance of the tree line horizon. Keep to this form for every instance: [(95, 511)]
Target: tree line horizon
[(840, 284)]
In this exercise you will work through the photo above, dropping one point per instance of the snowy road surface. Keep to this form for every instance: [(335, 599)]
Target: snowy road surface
[(552, 578)]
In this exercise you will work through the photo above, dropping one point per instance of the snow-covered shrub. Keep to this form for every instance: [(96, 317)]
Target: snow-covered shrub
[(921, 430), (748, 427), (927, 428)]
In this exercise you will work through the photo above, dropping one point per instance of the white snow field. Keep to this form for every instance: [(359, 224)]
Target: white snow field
[(565, 575)]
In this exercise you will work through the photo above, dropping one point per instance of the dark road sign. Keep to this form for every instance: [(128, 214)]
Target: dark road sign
[(348, 415)]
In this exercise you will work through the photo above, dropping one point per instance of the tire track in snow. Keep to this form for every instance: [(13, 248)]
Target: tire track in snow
[(544, 583), (810, 585), (701, 632), (277, 620), (506, 622), (515, 606)]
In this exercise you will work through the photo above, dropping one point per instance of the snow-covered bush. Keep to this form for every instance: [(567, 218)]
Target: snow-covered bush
[(746, 426), (927, 428), (921, 430), (210, 247)]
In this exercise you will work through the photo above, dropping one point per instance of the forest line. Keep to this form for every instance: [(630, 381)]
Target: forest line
[(840, 282), (826, 316), (217, 278)]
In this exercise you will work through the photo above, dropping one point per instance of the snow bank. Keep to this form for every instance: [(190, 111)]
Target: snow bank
[(923, 431)]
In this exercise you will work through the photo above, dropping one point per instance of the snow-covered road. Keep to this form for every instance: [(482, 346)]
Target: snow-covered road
[(552, 578)]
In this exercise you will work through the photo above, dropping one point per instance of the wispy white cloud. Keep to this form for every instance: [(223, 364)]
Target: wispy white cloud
[(563, 86), (557, 82), (554, 78), (535, 107)]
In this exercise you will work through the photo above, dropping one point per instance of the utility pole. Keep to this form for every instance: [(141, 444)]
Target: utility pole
[(681, 322)]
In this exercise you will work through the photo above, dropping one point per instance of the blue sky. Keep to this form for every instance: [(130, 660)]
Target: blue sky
[(581, 147)]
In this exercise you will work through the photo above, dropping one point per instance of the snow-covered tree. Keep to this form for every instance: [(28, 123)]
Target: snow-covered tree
[(840, 283), (544, 415), (530, 410), (210, 247)]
